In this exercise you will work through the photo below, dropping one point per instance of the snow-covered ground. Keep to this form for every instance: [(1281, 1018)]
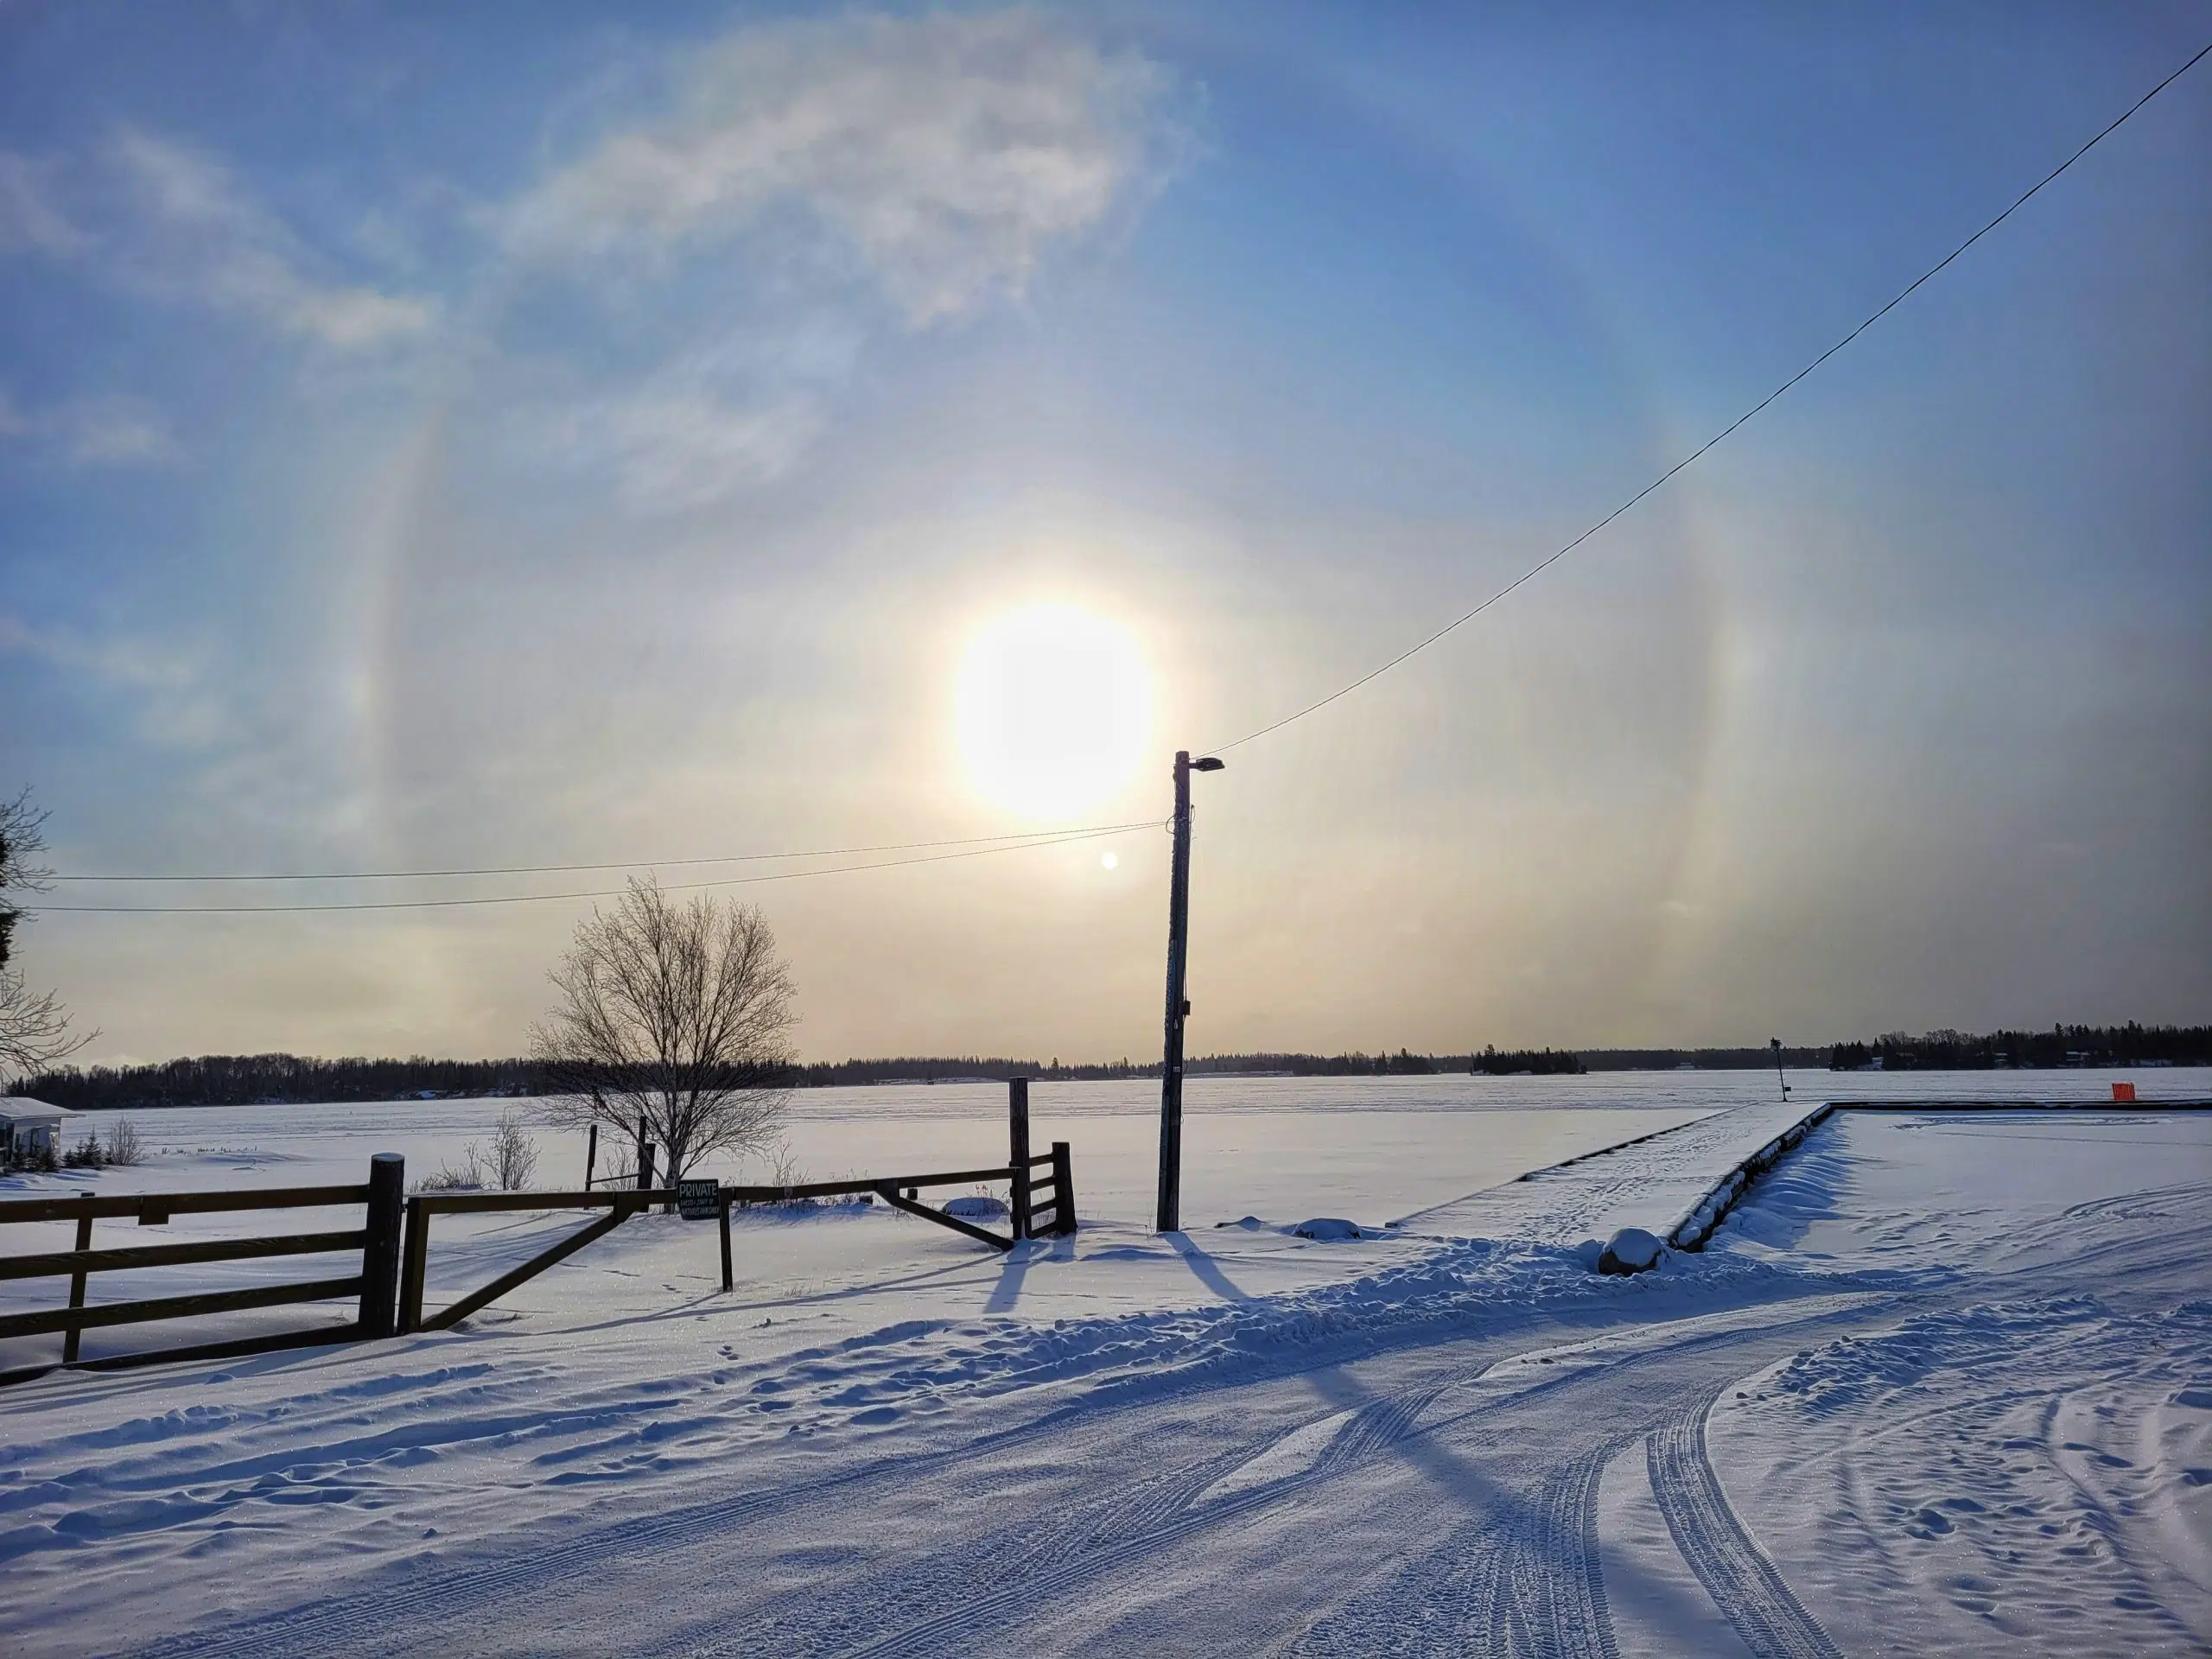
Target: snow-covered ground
[(1940, 1383)]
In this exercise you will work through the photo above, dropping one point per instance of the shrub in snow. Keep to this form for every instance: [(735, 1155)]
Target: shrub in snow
[(513, 1156), (505, 1165), (1630, 1250), (468, 1179), (125, 1149)]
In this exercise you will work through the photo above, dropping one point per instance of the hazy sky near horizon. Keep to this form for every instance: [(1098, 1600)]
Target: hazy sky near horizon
[(527, 435)]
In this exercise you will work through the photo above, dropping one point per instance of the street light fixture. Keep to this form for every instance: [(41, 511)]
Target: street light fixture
[(1178, 1005)]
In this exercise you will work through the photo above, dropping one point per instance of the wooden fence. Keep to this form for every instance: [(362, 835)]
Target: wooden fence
[(395, 1261), (375, 1284), (901, 1192)]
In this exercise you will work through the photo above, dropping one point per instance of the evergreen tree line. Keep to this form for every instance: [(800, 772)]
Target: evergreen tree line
[(2062, 1045), (1699, 1059), (256, 1079), (253, 1079)]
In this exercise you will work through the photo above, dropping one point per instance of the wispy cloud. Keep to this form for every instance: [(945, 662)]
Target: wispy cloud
[(169, 686), (155, 216), (946, 153), (109, 431), (724, 417), (808, 185), (201, 237), (30, 216)]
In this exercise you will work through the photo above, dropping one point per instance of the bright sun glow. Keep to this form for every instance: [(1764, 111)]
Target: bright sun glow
[(1054, 710)]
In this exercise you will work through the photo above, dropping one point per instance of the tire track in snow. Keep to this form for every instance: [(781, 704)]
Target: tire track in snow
[(1532, 1590), (1554, 1581), (1375, 1428), (1546, 1595), (1743, 1583), (367, 1618), (851, 1616), (1091, 1543)]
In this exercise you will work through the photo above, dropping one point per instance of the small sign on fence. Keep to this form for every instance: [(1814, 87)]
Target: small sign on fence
[(699, 1200)]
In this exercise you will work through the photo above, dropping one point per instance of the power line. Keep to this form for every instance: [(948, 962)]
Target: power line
[(1898, 299), (1018, 838), (1052, 839)]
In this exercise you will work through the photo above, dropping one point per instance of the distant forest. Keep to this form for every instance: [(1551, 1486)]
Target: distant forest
[(251, 1079), (2062, 1045), (255, 1080)]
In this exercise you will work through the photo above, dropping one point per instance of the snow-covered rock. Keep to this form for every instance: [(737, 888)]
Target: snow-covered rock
[(978, 1208), (1630, 1250), (1328, 1228)]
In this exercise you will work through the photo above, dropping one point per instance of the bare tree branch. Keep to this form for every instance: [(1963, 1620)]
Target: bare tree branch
[(33, 1031), (677, 1014), (21, 839)]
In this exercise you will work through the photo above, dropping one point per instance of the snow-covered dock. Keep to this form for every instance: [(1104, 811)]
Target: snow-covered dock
[(1656, 1184)]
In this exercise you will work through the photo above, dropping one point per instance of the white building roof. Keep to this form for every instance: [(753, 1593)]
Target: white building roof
[(22, 1109)]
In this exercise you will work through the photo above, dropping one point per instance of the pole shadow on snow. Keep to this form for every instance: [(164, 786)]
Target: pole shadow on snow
[(1012, 1268), (1206, 1268)]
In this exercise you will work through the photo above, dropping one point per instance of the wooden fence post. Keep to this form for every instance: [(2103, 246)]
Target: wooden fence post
[(646, 1150), (729, 1277), (380, 1253), (1017, 1125), (591, 1156), (1063, 1190), (77, 1284), (414, 1266)]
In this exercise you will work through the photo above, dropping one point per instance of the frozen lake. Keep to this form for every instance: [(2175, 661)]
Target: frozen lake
[(1370, 1147)]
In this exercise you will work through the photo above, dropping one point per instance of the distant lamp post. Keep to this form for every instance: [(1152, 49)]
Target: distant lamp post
[(1178, 1005), (1775, 1043)]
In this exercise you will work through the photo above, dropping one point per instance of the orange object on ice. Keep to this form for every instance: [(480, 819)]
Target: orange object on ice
[(2123, 1091)]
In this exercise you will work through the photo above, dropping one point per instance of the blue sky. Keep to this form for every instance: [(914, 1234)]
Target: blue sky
[(546, 433)]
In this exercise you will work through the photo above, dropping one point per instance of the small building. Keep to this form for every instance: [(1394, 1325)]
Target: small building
[(31, 1128)]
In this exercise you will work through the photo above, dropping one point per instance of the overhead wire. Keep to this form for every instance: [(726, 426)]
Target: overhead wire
[(1897, 300), (1014, 839), (1051, 839)]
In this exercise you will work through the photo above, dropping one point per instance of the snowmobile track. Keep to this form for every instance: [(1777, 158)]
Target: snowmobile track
[(1743, 1583)]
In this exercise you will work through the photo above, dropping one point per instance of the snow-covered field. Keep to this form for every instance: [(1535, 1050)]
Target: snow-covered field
[(1941, 1382)]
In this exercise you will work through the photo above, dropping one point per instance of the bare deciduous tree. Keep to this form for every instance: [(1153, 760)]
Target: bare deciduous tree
[(34, 1029), (677, 1014)]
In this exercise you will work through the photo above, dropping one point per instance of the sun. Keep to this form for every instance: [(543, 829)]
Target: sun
[(1054, 710)]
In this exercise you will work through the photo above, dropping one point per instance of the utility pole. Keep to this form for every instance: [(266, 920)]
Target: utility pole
[(1178, 1004)]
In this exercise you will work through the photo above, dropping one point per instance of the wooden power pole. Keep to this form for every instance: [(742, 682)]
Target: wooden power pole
[(1178, 1004)]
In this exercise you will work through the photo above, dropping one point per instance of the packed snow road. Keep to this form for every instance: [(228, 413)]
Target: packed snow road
[(1938, 1384)]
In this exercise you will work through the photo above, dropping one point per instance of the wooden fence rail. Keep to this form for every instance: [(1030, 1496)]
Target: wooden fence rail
[(898, 1192), (377, 1240)]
